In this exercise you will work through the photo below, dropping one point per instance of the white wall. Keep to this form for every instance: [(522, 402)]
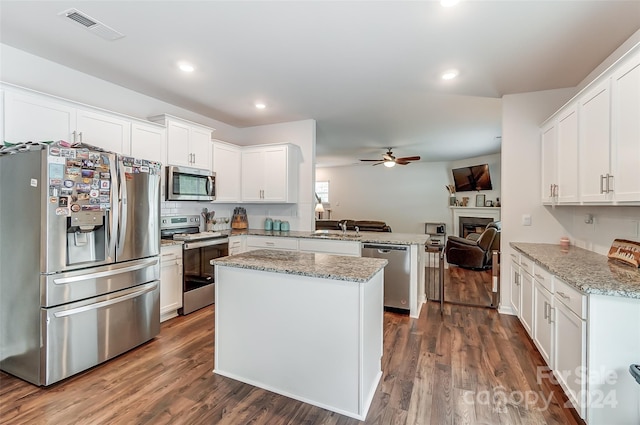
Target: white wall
[(405, 197), (36, 73)]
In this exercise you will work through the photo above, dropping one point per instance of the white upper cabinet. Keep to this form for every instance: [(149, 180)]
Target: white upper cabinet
[(103, 130), (148, 141), (270, 174), (35, 117), (567, 160), (226, 165), (590, 148), (549, 144), (188, 143), (625, 136), (595, 129)]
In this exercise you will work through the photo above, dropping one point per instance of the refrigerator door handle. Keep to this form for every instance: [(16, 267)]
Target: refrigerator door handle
[(139, 266), (113, 215), (147, 288), (122, 206)]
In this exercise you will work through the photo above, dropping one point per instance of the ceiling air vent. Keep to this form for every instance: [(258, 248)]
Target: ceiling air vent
[(93, 25)]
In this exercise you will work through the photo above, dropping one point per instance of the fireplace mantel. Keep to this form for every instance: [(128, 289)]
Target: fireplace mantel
[(480, 212)]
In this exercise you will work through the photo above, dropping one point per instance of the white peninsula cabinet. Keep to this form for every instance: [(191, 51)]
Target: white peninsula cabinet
[(31, 116), (227, 165), (188, 143), (348, 248), (270, 174)]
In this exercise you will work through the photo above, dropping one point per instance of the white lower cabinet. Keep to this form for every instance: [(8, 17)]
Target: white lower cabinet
[(515, 281), (237, 245), (543, 327), (526, 308), (588, 341), (570, 353), (170, 281), (271, 242)]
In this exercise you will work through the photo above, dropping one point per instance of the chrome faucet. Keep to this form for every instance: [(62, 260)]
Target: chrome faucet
[(343, 226), (357, 231)]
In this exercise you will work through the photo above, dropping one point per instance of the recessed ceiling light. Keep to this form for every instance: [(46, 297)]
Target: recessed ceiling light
[(449, 3), (185, 66), (450, 74), (260, 105)]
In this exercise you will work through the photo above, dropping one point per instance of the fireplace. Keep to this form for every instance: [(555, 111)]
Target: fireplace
[(486, 214), (468, 225)]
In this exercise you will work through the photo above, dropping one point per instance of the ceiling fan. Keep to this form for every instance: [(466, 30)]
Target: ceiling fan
[(389, 160)]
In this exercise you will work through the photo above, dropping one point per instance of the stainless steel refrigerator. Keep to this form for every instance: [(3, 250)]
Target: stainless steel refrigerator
[(79, 259)]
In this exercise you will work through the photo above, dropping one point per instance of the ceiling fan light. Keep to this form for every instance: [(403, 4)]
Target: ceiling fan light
[(389, 164)]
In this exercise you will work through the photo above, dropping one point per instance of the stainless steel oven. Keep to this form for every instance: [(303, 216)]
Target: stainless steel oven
[(198, 249), (198, 281)]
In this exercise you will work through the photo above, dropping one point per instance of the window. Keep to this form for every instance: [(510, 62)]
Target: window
[(322, 190)]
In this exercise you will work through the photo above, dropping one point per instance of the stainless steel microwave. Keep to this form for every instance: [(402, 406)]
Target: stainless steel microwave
[(190, 184)]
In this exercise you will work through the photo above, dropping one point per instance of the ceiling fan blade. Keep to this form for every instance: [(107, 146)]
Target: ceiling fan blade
[(370, 160), (409, 158), (402, 162), (378, 163)]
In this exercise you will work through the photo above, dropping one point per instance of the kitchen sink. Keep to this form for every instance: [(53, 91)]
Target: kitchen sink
[(327, 234)]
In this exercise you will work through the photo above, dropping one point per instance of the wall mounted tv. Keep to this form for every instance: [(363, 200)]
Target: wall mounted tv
[(472, 178)]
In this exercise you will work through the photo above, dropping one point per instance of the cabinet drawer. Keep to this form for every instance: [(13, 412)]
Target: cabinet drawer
[(515, 257), (571, 297), (330, 247), (543, 277), (170, 253), (526, 264), (272, 243)]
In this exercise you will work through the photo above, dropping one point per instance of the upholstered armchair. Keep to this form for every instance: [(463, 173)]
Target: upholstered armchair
[(474, 252)]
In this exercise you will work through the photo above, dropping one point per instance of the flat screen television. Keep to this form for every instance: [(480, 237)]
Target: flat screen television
[(467, 179)]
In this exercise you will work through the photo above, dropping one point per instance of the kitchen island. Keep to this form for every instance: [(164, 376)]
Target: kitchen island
[(304, 325)]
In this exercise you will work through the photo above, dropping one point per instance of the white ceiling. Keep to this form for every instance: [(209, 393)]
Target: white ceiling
[(367, 71)]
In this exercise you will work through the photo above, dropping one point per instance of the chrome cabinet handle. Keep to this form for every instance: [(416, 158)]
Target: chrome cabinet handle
[(563, 295), (80, 136), (609, 177), (602, 183), (539, 277), (546, 316)]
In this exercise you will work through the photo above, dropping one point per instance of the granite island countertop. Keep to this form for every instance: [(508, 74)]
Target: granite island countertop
[(588, 271), (367, 237), (324, 266)]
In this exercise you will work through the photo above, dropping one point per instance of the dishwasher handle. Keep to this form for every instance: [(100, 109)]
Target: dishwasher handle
[(383, 249)]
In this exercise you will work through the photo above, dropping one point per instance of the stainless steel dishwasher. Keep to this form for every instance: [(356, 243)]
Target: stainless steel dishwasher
[(396, 273)]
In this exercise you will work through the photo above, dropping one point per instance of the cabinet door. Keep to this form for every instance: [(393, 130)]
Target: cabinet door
[(526, 308), (625, 144), (33, 118), (516, 286), (567, 161), (170, 281), (570, 354), (147, 142), (252, 175), (594, 142), (549, 143), (200, 148), (178, 144), (543, 318), (275, 176), (226, 165), (108, 132)]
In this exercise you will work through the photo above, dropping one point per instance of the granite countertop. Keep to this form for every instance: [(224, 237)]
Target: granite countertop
[(324, 266), (336, 235), (588, 271)]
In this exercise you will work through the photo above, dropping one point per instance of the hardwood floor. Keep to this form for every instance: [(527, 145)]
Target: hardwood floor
[(467, 366)]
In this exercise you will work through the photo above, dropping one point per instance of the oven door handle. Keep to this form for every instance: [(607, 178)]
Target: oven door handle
[(195, 245)]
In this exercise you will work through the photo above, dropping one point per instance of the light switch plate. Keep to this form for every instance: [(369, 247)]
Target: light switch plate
[(526, 219)]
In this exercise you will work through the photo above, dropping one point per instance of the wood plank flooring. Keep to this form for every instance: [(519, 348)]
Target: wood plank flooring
[(467, 366)]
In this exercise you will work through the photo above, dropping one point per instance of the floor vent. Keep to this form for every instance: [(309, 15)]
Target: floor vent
[(93, 25)]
